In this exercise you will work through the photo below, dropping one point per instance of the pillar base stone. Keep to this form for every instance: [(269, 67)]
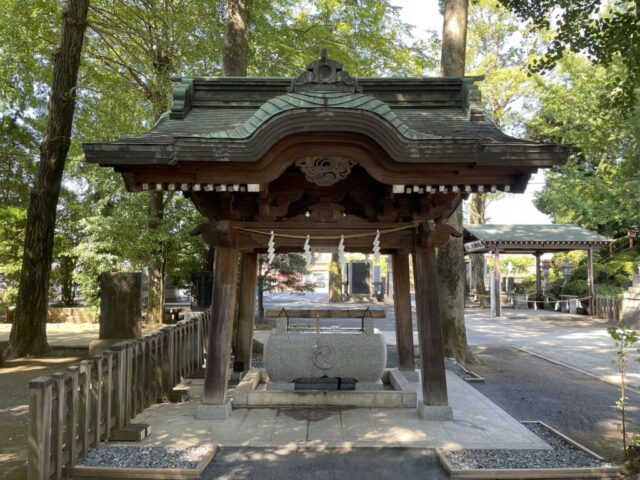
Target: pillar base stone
[(206, 411), (434, 412)]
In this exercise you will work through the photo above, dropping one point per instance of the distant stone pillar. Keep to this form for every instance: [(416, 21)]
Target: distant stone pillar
[(120, 309)]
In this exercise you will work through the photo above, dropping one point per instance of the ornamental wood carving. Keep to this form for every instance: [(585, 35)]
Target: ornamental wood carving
[(431, 234), (325, 171)]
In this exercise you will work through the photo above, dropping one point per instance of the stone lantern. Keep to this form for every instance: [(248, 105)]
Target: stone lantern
[(545, 267), (567, 269)]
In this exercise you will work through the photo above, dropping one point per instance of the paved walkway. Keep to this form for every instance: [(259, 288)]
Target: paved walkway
[(478, 423), (572, 340)]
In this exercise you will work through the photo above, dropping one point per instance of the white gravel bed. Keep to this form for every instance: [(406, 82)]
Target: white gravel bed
[(132, 456), (563, 455)]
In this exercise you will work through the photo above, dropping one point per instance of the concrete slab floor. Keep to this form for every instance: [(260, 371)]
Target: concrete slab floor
[(478, 423)]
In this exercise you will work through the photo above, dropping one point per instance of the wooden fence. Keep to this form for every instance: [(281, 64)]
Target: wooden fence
[(94, 401), (609, 307)]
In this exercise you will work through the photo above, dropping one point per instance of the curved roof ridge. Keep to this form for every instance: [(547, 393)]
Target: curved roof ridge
[(324, 100)]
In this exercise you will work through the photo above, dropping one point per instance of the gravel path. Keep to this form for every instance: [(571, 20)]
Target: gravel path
[(563, 455), (133, 456)]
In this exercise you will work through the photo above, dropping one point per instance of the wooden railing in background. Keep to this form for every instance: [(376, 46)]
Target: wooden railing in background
[(94, 401), (608, 307)]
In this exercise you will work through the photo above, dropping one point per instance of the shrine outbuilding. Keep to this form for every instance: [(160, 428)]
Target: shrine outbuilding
[(534, 240), (334, 158)]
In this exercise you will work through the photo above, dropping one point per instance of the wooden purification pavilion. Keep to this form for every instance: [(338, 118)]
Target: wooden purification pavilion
[(326, 155), (534, 240)]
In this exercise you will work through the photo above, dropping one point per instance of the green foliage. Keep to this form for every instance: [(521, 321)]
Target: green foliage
[(607, 32), (111, 245), (599, 186), (284, 274), (625, 340), (575, 287), (12, 222), (367, 36), (499, 47)]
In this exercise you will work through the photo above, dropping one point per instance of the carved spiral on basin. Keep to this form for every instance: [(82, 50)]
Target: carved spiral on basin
[(324, 356)]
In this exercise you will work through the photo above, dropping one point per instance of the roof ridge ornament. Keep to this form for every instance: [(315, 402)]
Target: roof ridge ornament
[(325, 75)]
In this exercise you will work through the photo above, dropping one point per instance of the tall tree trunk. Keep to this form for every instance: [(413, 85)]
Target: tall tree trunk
[(234, 64), (29, 329), (155, 211), (478, 217), (454, 38), (67, 285), (236, 39), (335, 280), (451, 257), (159, 99)]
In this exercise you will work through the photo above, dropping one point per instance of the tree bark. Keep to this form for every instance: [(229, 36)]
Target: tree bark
[(478, 217), (246, 311), (234, 64), (236, 39), (454, 38), (335, 280), (28, 332), (155, 211), (451, 274)]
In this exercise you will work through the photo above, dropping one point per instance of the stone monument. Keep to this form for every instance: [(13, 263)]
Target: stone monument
[(120, 309)]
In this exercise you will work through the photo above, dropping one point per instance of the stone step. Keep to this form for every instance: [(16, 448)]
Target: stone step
[(632, 293)]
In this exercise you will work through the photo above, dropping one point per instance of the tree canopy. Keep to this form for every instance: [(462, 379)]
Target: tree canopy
[(132, 50)]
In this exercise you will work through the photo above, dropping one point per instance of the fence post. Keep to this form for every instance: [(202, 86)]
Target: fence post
[(96, 400), (72, 419), (108, 392), (85, 403), (39, 443), (59, 379), (120, 398)]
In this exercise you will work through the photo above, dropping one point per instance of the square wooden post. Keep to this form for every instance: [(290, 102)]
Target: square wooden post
[(225, 270), (538, 276), (246, 311), (497, 282), (435, 402), (402, 306), (39, 440), (591, 279)]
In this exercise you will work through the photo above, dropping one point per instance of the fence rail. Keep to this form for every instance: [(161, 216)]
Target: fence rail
[(608, 307), (73, 411)]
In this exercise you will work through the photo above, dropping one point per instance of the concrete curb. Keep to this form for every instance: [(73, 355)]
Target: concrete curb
[(248, 395), (568, 473), (631, 388), (145, 473)]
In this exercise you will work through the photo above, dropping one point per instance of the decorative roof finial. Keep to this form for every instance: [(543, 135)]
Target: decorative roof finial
[(325, 75)]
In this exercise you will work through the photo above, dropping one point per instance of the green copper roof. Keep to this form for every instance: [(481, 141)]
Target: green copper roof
[(541, 234), (320, 100)]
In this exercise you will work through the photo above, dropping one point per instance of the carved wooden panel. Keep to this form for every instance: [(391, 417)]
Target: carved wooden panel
[(325, 171)]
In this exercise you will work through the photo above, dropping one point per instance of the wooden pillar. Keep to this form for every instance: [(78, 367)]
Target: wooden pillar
[(497, 282), (591, 280), (538, 276), (246, 311), (402, 306), (225, 269), (434, 381)]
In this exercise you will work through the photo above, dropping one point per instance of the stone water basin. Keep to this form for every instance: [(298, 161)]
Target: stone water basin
[(291, 354)]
